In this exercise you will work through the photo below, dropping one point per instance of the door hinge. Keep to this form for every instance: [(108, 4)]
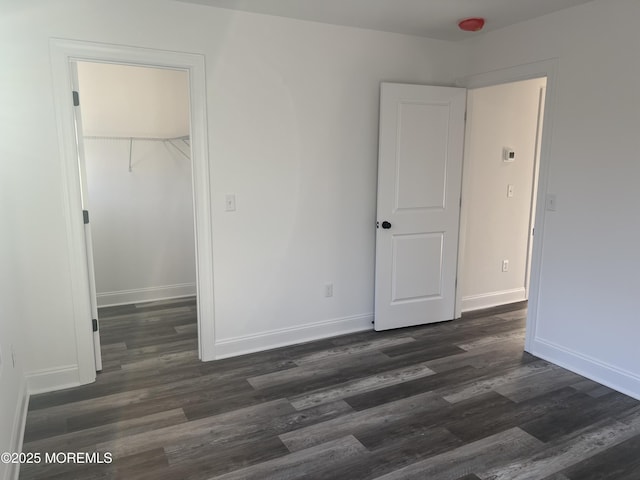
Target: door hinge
[(85, 216), (94, 324), (456, 282), (533, 232), (465, 115), (76, 99)]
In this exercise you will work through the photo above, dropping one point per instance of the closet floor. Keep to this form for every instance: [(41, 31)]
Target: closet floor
[(452, 401)]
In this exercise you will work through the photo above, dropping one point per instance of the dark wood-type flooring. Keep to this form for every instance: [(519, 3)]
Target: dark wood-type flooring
[(453, 401)]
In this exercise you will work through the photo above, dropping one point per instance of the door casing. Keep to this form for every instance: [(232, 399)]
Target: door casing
[(62, 53)]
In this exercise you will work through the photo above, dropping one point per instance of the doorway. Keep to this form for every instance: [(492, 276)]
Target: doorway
[(63, 53), (542, 69), (133, 133), (502, 149)]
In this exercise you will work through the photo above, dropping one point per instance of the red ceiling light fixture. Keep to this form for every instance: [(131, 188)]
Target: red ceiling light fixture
[(473, 24)]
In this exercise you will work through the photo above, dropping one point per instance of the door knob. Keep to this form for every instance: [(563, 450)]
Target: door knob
[(386, 225)]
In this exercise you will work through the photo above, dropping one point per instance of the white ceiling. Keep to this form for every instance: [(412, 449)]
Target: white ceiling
[(425, 18)]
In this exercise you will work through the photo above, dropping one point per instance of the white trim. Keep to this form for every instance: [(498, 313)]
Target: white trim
[(50, 379), (544, 68), (147, 294), (542, 94), (62, 52), (587, 366), (464, 211), (492, 299), (235, 346), (17, 436)]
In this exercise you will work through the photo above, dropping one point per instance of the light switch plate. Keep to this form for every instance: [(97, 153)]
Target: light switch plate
[(230, 202), (551, 202)]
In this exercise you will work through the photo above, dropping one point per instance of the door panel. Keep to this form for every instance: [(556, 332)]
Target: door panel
[(417, 267), (422, 147), (419, 179), (93, 297)]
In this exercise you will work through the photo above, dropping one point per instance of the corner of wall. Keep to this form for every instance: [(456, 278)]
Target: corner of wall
[(587, 366)]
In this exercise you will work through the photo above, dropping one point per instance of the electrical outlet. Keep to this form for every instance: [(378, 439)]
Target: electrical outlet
[(505, 265), (328, 290)]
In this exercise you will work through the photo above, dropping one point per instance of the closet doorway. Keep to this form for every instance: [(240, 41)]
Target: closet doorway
[(64, 53), (133, 133)]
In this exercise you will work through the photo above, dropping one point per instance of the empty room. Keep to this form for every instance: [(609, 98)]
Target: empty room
[(349, 239)]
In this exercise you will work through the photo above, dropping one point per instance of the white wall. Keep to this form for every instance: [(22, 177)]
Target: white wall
[(497, 227), (587, 312), (293, 119), (13, 392), (130, 101), (142, 221)]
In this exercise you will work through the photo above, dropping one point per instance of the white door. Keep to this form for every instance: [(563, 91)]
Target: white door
[(419, 182), (87, 226)]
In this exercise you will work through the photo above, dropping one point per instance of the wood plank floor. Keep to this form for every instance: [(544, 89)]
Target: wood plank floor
[(453, 401)]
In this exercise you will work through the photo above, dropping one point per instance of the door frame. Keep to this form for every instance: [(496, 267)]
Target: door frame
[(64, 51), (545, 68)]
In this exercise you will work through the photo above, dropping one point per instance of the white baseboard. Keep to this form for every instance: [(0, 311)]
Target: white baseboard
[(148, 294), (592, 368), (232, 347), (19, 421), (49, 380), (493, 299)]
